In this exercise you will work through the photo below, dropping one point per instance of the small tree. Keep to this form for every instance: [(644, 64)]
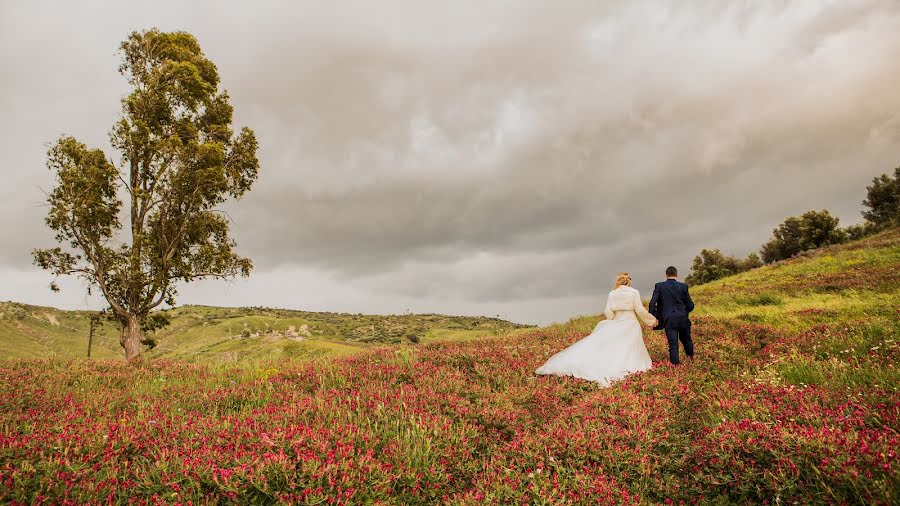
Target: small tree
[(179, 161), (812, 230), (883, 201), (711, 265), (860, 230), (95, 321)]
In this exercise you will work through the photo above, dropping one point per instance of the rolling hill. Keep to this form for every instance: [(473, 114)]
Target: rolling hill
[(230, 334), (794, 397)]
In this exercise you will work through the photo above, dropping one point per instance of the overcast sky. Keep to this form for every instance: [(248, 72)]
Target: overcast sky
[(478, 157)]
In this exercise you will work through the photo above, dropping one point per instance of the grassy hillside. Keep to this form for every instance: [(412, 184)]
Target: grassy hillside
[(830, 317), (794, 398), (229, 334), (33, 331)]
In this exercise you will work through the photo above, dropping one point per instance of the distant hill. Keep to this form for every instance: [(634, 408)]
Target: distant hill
[(228, 334)]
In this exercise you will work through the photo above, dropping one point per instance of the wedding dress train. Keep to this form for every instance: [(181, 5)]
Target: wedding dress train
[(614, 349)]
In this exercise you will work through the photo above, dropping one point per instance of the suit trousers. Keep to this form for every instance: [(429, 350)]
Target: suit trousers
[(679, 333)]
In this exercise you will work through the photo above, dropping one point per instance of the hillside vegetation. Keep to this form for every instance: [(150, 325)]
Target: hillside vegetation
[(794, 398), (229, 334)]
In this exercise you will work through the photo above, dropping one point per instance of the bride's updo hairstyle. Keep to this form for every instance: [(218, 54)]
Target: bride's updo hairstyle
[(624, 279)]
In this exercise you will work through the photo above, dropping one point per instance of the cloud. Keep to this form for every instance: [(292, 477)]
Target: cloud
[(468, 153)]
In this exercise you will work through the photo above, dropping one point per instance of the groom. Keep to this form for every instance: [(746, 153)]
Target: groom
[(671, 304)]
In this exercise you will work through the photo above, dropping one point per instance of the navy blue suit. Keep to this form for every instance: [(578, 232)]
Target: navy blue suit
[(671, 304)]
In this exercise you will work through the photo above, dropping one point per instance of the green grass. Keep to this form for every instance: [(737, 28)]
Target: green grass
[(441, 335), (233, 334), (841, 303), (857, 281), (29, 331)]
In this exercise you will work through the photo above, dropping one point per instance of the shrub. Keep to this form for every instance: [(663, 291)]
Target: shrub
[(860, 230), (19, 312), (812, 230), (883, 201), (711, 265)]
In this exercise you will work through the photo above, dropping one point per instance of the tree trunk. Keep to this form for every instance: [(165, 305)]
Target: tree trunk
[(131, 338), (90, 336)]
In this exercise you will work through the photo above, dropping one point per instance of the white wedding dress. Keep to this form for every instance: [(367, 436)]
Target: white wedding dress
[(614, 349)]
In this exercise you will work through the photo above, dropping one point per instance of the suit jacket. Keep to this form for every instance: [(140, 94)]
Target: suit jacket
[(671, 303)]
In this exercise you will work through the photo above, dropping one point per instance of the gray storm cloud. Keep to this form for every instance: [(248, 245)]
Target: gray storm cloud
[(485, 156)]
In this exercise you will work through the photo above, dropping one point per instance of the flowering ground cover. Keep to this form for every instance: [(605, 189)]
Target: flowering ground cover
[(794, 397)]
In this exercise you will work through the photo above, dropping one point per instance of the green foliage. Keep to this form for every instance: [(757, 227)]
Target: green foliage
[(860, 230), (883, 201), (180, 160), (816, 229), (13, 311), (711, 265), (203, 333), (813, 229)]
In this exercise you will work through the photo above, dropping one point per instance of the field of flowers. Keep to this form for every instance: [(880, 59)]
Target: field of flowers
[(794, 397)]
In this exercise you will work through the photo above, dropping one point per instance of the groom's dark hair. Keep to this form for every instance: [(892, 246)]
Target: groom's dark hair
[(671, 272)]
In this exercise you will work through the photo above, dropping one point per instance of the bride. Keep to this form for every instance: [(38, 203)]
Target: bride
[(615, 348)]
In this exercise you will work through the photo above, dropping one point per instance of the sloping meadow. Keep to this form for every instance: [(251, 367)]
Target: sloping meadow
[(793, 398)]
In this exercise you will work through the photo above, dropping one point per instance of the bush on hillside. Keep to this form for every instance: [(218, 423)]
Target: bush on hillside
[(883, 201), (861, 230), (12, 310), (814, 229), (712, 264)]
